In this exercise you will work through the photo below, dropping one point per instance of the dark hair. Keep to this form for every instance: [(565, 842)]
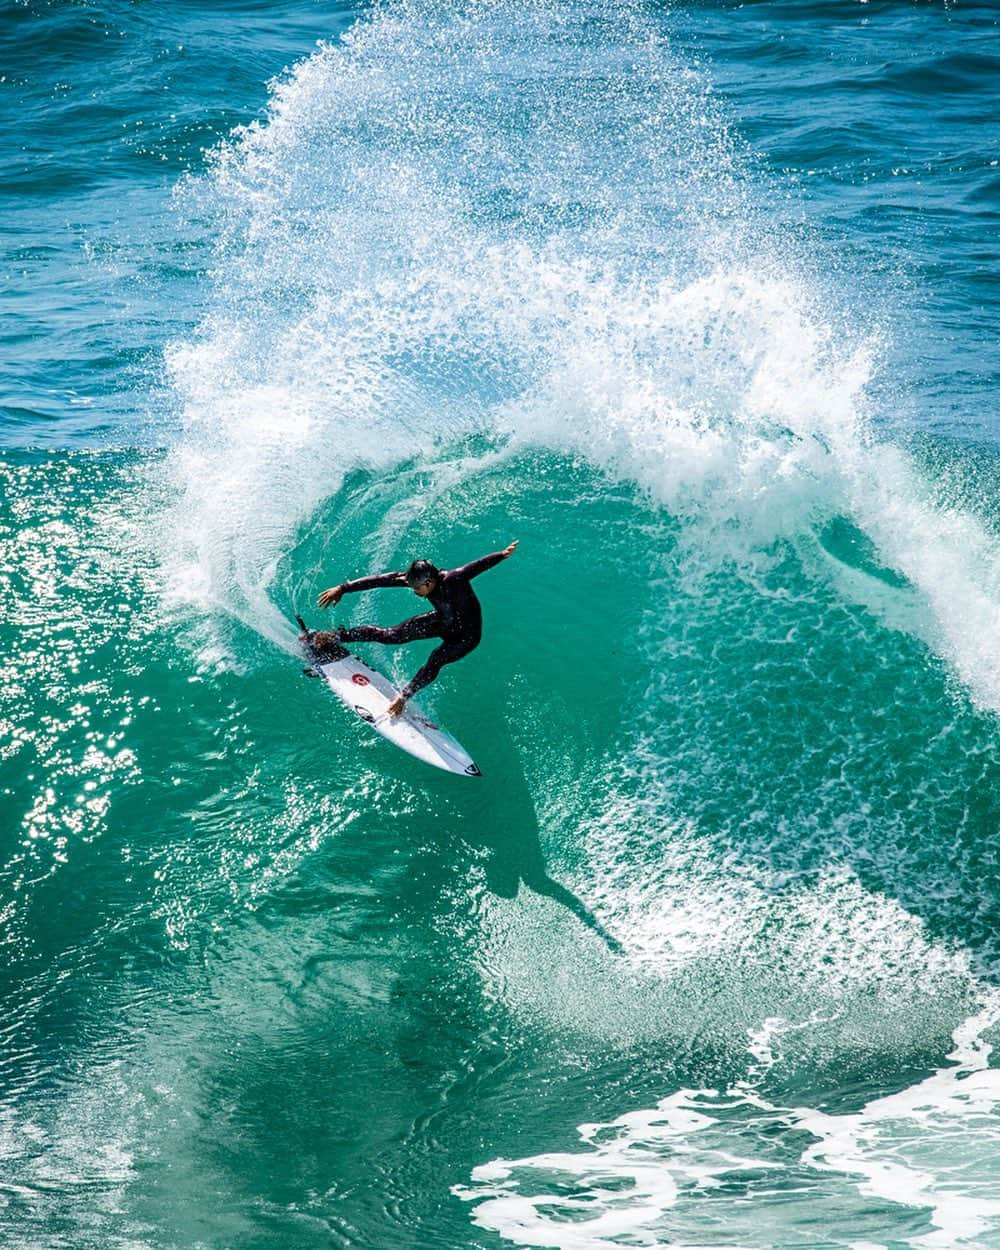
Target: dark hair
[(421, 571)]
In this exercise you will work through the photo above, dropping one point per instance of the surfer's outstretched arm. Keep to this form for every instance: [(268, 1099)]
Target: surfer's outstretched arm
[(375, 581), (475, 567)]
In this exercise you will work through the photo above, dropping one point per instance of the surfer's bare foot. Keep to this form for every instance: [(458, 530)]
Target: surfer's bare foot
[(396, 706)]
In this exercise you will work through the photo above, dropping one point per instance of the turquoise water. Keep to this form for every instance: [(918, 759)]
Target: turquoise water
[(701, 305)]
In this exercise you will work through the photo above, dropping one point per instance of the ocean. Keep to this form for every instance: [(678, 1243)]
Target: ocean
[(698, 302)]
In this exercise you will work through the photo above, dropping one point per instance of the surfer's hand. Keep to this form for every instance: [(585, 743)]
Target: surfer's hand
[(395, 708), (509, 551), (329, 597)]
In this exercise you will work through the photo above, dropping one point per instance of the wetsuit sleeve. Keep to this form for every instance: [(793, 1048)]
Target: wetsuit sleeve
[(375, 581), (475, 567)]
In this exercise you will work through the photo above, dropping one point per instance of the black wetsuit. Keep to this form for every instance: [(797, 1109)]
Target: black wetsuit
[(457, 618)]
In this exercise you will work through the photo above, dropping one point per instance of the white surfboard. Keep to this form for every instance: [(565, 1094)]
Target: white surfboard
[(367, 693)]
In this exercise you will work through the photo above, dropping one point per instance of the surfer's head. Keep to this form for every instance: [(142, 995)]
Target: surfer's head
[(422, 577)]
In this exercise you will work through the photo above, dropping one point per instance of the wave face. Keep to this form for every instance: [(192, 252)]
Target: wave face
[(709, 956)]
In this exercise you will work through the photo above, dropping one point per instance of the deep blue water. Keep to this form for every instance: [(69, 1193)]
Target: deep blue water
[(874, 123)]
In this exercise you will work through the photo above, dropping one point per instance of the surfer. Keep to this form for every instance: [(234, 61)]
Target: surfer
[(457, 618)]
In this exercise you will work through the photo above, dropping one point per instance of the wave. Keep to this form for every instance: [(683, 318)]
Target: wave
[(467, 238), (534, 225)]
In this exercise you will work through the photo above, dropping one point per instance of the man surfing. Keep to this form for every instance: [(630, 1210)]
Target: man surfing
[(457, 618)]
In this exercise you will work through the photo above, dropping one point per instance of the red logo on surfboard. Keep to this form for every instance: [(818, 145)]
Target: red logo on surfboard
[(360, 679)]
